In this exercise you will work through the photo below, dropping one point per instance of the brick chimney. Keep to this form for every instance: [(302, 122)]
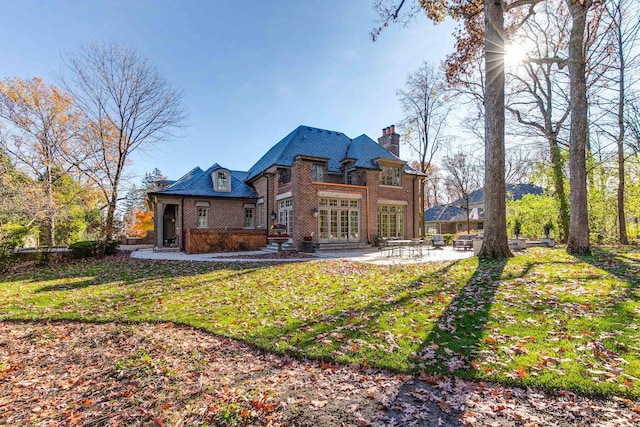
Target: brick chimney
[(390, 140)]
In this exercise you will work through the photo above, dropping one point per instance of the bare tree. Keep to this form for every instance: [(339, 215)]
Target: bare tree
[(518, 165), (463, 178), (539, 100), (426, 108), (623, 37), (129, 106)]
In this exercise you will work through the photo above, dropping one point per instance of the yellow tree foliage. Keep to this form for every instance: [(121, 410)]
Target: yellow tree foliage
[(39, 129), (142, 224)]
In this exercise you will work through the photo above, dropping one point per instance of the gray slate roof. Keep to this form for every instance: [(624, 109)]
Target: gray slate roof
[(198, 183), (455, 211), (314, 142), (514, 192), (443, 213)]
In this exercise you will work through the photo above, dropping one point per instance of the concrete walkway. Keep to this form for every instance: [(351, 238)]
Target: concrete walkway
[(373, 256)]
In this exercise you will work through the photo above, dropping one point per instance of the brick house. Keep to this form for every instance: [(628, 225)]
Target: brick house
[(340, 192), (452, 218)]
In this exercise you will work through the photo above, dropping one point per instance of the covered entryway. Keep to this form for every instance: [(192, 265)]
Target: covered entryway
[(169, 235)]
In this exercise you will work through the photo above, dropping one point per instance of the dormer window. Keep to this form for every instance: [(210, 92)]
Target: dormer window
[(390, 175), (222, 181), (317, 173)]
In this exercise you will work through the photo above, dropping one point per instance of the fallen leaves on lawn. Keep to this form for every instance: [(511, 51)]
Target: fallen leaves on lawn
[(72, 374)]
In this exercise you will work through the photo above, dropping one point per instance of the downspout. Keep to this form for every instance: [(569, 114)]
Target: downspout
[(268, 212), (413, 211), (366, 206), (182, 223)]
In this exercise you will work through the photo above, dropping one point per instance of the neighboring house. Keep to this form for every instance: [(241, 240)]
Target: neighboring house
[(452, 218), (318, 183)]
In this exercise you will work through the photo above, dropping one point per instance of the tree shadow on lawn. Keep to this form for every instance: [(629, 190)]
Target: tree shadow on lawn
[(617, 264), (624, 269), (457, 332), (350, 321), (450, 347), (624, 306), (457, 335), (136, 272)]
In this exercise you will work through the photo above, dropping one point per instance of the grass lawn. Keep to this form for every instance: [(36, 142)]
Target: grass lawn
[(542, 319)]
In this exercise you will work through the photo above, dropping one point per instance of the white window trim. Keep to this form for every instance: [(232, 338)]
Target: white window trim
[(206, 217), (392, 202), (253, 217), (214, 177), (337, 195), (284, 195)]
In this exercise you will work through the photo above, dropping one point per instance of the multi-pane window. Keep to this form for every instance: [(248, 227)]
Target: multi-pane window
[(339, 219), (285, 213), (390, 221), (390, 175), (284, 176), (317, 173), (223, 181), (202, 217), (260, 215), (248, 218)]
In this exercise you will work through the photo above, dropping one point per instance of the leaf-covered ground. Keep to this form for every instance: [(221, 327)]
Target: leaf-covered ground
[(75, 374), (543, 319)]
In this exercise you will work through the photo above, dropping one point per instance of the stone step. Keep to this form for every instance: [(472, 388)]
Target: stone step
[(342, 246), (167, 250), (273, 248)]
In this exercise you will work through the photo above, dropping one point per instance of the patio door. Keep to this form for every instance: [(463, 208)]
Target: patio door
[(285, 214), (339, 220)]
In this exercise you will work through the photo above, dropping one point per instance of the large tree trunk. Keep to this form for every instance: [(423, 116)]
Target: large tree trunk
[(558, 181), (495, 243), (578, 243)]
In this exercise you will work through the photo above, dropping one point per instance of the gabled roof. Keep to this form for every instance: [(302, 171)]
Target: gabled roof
[(321, 143), (198, 183), (443, 213), (514, 192)]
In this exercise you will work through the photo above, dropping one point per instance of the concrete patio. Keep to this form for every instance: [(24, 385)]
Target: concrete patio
[(372, 255)]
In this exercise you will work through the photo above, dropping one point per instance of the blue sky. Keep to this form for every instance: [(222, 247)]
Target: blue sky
[(251, 71)]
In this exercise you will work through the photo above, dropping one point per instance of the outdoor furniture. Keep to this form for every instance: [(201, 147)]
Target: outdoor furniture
[(437, 241), (465, 241), (398, 247), (417, 247)]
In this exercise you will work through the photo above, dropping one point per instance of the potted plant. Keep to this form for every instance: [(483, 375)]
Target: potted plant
[(307, 243), (547, 228), (517, 224), (278, 230)]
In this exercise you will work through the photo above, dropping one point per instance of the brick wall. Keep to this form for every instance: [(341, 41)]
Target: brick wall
[(406, 193), (202, 240), (305, 199), (222, 213)]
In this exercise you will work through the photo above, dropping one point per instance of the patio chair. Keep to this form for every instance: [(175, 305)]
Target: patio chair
[(465, 241), (438, 241)]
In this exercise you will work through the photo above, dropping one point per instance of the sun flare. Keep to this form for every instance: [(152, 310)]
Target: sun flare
[(514, 54)]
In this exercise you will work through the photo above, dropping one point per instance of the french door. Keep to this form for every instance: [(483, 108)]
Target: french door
[(339, 220), (285, 214)]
